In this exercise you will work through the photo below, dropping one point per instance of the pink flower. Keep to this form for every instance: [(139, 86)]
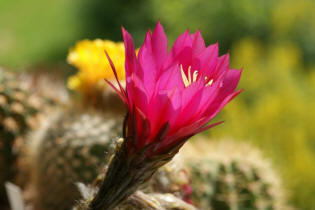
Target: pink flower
[(170, 96), (173, 95)]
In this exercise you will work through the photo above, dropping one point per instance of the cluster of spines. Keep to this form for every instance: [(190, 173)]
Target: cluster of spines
[(72, 149), (238, 180), (19, 113)]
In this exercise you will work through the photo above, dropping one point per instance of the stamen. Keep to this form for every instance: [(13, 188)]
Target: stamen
[(209, 83), (189, 75), (195, 74), (185, 80)]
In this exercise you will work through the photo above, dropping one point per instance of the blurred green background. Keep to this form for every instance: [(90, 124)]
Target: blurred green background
[(273, 41)]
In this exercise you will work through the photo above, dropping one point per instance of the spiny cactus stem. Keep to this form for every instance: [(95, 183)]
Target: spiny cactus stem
[(125, 174), (111, 191)]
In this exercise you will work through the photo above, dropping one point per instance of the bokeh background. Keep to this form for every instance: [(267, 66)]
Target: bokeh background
[(273, 41)]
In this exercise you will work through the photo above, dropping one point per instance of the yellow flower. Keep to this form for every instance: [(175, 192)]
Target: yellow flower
[(90, 60)]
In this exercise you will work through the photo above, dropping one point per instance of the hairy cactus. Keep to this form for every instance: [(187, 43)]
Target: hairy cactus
[(20, 112), (154, 201), (167, 189), (234, 177), (172, 178), (138, 200), (70, 148)]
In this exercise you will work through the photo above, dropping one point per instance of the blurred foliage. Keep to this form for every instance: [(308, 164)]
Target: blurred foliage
[(227, 21), (37, 32), (276, 112), (33, 31), (272, 40)]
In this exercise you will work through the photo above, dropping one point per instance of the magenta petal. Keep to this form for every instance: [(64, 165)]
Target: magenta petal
[(159, 45), (123, 98), (145, 53), (170, 79), (174, 110), (130, 55), (216, 108), (231, 81), (160, 104), (208, 59), (116, 77), (198, 44), (209, 126), (143, 127), (180, 43), (208, 96), (228, 85), (185, 58), (139, 94), (131, 66), (173, 106), (184, 131), (148, 65), (222, 66), (190, 107)]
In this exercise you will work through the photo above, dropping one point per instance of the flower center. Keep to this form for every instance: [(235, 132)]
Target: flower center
[(192, 77)]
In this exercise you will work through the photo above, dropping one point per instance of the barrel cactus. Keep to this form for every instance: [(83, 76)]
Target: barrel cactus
[(165, 191), (138, 200), (70, 148), (154, 201), (20, 112), (234, 176), (172, 178)]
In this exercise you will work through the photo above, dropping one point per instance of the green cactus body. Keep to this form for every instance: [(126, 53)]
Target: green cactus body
[(138, 200), (234, 177), (172, 178), (70, 149), (19, 113), (163, 191), (228, 186), (154, 201)]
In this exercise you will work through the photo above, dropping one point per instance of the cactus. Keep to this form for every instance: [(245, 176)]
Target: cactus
[(154, 201), (234, 177), (70, 148), (172, 178), (167, 189), (144, 201), (138, 200), (20, 111)]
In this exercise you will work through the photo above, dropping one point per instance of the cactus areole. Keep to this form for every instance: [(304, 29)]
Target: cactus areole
[(170, 96)]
